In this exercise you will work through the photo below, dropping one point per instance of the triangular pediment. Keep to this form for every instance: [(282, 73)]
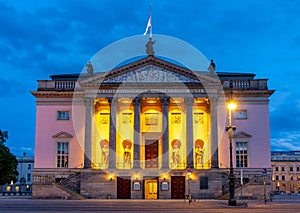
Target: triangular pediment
[(242, 134), (62, 134), (150, 70)]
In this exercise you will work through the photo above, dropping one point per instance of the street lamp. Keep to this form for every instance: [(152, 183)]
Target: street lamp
[(231, 106)]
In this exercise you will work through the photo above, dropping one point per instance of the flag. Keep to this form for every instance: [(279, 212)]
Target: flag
[(148, 25)]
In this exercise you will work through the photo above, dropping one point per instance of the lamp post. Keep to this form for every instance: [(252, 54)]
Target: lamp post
[(189, 196), (232, 201)]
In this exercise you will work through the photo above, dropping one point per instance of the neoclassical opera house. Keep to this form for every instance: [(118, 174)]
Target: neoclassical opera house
[(149, 129)]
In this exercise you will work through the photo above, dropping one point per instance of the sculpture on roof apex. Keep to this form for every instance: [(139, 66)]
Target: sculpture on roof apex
[(90, 69), (212, 68), (149, 47)]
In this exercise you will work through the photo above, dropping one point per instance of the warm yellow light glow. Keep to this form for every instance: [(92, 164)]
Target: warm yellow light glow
[(110, 177), (125, 100), (231, 106)]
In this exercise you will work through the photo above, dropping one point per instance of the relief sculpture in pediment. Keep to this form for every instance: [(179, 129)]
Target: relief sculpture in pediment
[(150, 74)]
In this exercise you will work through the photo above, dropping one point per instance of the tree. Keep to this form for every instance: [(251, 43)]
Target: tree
[(8, 162)]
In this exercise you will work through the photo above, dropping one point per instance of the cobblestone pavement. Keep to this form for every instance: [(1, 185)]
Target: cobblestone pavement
[(46, 206)]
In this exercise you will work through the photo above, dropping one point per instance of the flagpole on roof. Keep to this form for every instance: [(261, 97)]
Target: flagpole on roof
[(149, 23)]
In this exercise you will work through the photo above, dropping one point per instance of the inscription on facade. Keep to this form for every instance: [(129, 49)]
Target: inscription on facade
[(173, 91)]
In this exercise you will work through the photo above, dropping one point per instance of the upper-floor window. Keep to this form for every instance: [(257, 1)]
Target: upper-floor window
[(28, 177), (282, 169), (29, 166), (276, 177), (240, 114), (241, 154), (282, 177), (291, 177), (63, 115), (276, 169), (291, 169), (62, 154), (298, 169)]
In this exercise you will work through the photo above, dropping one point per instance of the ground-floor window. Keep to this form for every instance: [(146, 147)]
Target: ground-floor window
[(241, 154), (62, 154)]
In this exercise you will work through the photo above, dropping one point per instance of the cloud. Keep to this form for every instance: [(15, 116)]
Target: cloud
[(286, 141)]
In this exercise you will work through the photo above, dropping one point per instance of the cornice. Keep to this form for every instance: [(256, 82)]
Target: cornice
[(57, 94), (250, 93)]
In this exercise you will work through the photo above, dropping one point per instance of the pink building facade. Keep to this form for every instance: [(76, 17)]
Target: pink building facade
[(149, 129)]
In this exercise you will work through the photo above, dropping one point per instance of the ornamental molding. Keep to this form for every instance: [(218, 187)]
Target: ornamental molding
[(150, 70), (57, 94), (242, 134), (62, 134)]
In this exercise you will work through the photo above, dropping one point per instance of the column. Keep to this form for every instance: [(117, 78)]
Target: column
[(137, 130), (214, 132), (88, 102), (189, 132), (165, 128), (112, 132)]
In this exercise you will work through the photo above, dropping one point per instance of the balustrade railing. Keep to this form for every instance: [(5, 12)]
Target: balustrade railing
[(64, 84)]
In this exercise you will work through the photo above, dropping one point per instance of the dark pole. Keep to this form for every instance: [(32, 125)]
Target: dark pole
[(230, 128)]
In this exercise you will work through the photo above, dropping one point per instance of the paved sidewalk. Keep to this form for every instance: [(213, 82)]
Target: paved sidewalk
[(47, 206)]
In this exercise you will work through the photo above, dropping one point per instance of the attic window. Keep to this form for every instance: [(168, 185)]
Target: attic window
[(63, 115)]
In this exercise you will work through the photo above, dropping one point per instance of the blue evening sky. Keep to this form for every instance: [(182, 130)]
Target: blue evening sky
[(39, 38)]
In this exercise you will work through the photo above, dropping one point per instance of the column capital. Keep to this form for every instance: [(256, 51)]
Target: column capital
[(112, 100), (88, 101), (137, 101), (165, 100), (189, 100)]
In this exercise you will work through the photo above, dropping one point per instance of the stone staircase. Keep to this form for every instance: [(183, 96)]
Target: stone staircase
[(71, 185)]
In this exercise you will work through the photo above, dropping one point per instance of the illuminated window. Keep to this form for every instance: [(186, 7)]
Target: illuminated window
[(63, 115), (8, 188), (298, 177), (283, 187), (17, 189), (62, 154), (291, 177), (241, 154)]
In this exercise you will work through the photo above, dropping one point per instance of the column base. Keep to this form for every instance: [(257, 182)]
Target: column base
[(232, 202)]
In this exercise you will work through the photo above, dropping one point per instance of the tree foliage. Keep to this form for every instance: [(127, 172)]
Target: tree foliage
[(8, 162)]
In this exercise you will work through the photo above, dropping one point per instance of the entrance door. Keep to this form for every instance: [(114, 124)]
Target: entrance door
[(151, 154), (123, 188), (177, 187), (151, 187)]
